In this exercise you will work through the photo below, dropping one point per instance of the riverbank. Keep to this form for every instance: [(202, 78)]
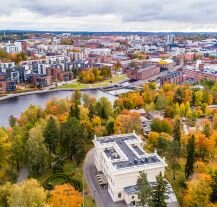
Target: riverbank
[(47, 91), (117, 79), (60, 88)]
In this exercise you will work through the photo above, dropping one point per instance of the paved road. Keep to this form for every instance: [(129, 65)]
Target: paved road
[(22, 175), (101, 196)]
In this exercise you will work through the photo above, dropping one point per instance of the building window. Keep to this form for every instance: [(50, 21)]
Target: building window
[(132, 197), (119, 195)]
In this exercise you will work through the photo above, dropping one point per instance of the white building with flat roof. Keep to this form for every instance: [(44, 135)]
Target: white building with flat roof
[(119, 159)]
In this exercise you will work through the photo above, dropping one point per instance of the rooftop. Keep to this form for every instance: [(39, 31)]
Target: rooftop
[(125, 151)]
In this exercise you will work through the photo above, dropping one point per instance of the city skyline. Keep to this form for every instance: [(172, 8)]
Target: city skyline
[(107, 15)]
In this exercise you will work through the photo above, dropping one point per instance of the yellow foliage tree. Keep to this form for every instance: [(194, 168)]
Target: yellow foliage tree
[(198, 191), (127, 122), (153, 138), (5, 147)]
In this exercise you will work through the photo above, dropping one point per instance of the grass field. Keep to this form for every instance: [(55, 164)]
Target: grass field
[(75, 172), (78, 85)]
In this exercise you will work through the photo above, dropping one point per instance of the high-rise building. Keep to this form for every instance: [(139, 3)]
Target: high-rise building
[(170, 39)]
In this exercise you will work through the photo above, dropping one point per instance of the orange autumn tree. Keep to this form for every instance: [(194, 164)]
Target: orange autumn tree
[(127, 122), (65, 195)]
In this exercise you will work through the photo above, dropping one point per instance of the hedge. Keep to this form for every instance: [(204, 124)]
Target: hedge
[(48, 182)]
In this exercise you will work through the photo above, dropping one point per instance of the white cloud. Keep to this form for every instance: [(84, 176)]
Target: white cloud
[(109, 15)]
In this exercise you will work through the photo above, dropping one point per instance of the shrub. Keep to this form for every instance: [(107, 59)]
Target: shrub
[(49, 183)]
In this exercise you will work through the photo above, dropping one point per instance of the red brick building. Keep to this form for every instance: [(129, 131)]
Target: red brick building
[(7, 86), (93, 59), (143, 72), (41, 81), (58, 74), (198, 74), (175, 77)]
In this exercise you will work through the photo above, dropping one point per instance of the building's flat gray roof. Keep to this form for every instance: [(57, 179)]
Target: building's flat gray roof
[(133, 158)]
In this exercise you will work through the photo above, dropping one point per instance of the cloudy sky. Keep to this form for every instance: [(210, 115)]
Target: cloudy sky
[(109, 15)]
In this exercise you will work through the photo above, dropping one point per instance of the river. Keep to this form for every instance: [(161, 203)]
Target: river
[(16, 105)]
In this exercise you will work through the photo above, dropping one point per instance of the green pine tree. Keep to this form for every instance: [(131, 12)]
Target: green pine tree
[(177, 131), (74, 112), (159, 192), (91, 111), (189, 167), (74, 139), (51, 134), (76, 97), (173, 155), (144, 190), (213, 196)]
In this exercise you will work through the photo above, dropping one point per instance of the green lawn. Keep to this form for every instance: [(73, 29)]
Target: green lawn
[(78, 85), (179, 183), (72, 171), (57, 181)]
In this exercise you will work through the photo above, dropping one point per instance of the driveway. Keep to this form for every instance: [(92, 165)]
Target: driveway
[(101, 196)]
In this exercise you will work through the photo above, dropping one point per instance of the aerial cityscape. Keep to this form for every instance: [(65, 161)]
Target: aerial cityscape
[(108, 104)]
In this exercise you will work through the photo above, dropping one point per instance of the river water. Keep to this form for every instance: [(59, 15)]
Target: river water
[(16, 105)]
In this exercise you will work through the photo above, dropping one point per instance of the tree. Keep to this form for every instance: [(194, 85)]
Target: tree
[(12, 121), (127, 122), (92, 111), (144, 190), (110, 126), (198, 98), (163, 145), (74, 137), (58, 107), (30, 116), (182, 110), (198, 191), (88, 100), (213, 196), (174, 153), (153, 139), (164, 125), (204, 146), (27, 194), (5, 191), (189, 167), (187, 96), (5, 149), (104, 108), (51, 134), (159, 192), (74, 112), (17, 148), (117, 65), (207, 130), (178, 96), (214, 123), (37, 154), (76, 97), (161, 102), (65, 195), (177, 131)]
